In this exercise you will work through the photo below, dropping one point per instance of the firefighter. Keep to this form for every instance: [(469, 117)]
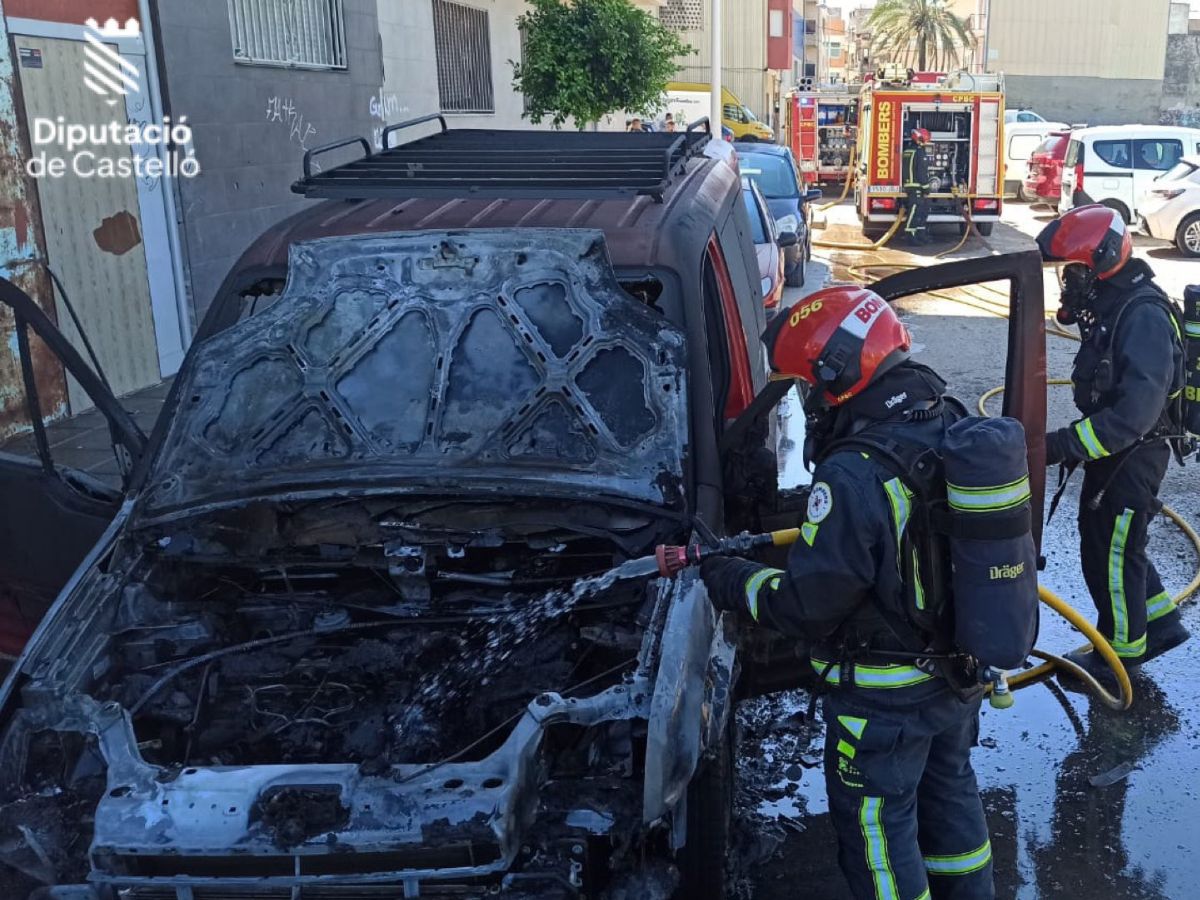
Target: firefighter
[(1127, 377), (916, 182), (902, 793)]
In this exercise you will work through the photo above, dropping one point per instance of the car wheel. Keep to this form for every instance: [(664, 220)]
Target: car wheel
[(709, 823), (795, 278), (1119, 207), (1187, 238), (1024, 196)]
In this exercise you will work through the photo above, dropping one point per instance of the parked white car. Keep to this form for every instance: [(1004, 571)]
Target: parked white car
[(1014, 116), (1020, 140), (1170, 209), (1116, 165)]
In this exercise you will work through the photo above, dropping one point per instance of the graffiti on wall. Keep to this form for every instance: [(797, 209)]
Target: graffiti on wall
[(1185, 117), (282, 110), (386, 109)]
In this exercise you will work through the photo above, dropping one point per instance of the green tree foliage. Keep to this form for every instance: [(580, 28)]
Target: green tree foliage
[(585, 59), (899, 27)]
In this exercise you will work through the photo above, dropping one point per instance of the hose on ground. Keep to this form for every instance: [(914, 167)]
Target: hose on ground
[(1097, 641), (846, 245), (851, 177)]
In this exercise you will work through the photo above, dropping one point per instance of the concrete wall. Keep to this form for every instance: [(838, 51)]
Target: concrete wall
[(1078, 100), (1181, 81), (410, 64), (252, 125)]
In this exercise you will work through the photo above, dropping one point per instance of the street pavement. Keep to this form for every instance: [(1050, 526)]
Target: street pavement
[(1082, 802)]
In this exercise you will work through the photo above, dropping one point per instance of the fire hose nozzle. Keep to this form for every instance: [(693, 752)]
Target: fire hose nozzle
[(673, 560)]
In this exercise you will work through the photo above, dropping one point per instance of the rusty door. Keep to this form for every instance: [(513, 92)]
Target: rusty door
[(92, 224)]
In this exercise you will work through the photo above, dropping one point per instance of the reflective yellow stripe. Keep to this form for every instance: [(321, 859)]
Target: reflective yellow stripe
[(1192, 329), (870, 820), (898, 676), (754, 584), (846, 749), (853, 724), (1116, 579), (1087, 436), (925, 895), (960, 863), (1158, 606), (988, 499), (899, 499)]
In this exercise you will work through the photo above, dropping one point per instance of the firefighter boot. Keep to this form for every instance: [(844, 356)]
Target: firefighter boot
[(1092, 663), (1164, 634)]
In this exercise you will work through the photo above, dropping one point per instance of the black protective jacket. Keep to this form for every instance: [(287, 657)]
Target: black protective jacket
[(1128, 368), (916, 167), (846, 565)]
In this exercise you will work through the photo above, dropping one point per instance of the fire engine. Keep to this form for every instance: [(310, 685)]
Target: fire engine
[(820, 125), (964, 115)]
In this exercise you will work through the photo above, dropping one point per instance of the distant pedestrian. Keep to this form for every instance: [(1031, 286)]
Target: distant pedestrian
[(635, 124)]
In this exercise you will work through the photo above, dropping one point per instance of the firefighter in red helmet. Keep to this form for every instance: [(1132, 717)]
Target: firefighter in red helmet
[(1128, 378), (916, 185), (899, 730)]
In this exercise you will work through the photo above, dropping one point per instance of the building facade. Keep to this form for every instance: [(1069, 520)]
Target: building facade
[(111, 242), (744, 36), (1100, 62)]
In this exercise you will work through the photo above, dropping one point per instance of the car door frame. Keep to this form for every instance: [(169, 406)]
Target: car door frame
[(62, 511)]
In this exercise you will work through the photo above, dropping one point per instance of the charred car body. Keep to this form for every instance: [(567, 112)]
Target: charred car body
[(347, 635)]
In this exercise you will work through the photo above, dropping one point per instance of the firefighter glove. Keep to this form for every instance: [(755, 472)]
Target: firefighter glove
[(1056, 448), (725, 577)]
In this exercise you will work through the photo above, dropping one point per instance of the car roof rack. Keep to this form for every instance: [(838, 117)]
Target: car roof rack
[(513, 164)]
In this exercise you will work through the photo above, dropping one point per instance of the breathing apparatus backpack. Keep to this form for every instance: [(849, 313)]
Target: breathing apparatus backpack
[(1191, 336), (967, 555), (1181, 415)]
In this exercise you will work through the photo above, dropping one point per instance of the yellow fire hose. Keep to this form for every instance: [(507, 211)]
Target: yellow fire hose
[(851, 177), (1097, 641)]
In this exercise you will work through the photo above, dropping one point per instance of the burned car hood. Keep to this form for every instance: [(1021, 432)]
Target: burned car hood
[(473, 361)]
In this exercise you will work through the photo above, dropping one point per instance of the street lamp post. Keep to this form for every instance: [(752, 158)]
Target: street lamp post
[(716, 106)]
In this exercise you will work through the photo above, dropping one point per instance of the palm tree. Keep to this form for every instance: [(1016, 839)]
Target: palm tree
[(928, 26)]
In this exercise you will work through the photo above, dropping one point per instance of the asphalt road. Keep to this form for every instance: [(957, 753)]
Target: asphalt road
[(1082, 802)]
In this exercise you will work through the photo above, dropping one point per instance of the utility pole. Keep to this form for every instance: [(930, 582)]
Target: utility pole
[(717, 108)]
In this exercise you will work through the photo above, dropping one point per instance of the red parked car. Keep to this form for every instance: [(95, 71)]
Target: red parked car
[(1043, 179)]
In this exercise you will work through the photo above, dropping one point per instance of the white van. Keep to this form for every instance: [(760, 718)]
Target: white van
[(1115, 165), (1020, 140)]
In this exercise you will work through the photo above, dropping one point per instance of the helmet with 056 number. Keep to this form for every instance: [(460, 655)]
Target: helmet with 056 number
[(838, 340)]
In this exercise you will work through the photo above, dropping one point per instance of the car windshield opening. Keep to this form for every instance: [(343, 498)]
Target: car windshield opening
[(774, 177)]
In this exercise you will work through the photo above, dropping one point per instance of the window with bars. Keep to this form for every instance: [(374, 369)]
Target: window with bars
[(303, 34), (462, 39)]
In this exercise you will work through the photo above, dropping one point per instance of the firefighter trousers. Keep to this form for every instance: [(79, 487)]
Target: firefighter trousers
[(1124, 584), (903, 796), (917, 211)]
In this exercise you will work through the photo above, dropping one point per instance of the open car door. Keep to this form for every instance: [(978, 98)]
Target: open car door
[(51, 516), (772, 662)]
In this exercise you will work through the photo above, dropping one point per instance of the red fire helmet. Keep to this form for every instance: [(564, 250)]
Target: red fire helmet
[(921, 135), (1093, 235), (838, 340)]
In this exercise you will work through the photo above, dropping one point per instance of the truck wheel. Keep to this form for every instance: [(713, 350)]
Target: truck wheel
[(1187, 238), (709, 823), (1119, 207), (984, 228)]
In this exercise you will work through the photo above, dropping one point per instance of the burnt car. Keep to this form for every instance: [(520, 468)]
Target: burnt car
[(349, 632)]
